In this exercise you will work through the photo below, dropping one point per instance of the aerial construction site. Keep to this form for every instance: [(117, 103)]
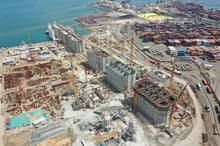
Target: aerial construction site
[(145, 76)]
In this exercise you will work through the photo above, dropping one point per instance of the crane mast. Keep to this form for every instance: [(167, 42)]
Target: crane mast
[(132, 51), (170, 88)]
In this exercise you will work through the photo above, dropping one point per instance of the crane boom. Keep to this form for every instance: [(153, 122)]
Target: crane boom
[(110, 49), (132, 51), (170, 88), (174, 105)]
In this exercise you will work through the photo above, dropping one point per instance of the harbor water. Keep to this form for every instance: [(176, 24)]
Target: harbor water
[(27, 20)]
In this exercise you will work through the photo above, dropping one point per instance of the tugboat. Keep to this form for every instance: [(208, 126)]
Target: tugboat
[(46, 32)]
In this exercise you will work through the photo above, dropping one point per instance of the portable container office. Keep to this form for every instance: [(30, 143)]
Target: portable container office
[(171, 50)]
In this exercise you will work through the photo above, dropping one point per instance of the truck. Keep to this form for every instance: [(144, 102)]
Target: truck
[(83, 143), (217, 108), (204, 137), (207, 66), (215, 131)]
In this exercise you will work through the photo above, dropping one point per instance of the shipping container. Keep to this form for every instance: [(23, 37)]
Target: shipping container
[(145, 40), (181, 53), (171, 50)]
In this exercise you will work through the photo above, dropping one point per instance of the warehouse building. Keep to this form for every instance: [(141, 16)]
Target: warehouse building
[(67, 36), (97, 60), (154, 102), (120, 76)]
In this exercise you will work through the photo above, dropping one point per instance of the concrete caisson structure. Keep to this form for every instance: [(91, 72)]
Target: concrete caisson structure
[(67, 36), (154, 102), (97, 60), (120, 76)]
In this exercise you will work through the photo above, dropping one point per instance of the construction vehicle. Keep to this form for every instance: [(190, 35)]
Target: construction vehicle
[(215, 131)]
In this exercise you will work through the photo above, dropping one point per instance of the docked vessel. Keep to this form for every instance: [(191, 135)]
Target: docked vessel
[(46, 32)]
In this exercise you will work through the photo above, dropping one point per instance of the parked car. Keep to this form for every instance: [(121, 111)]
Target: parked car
[(209, 90), (204, 82), (207, 108)]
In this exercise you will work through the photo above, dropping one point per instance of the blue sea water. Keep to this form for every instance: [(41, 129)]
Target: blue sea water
[(26, 20)]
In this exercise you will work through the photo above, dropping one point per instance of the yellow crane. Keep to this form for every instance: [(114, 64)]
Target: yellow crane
[(132, 46), (174, 106), (132, 51), (73, 77)]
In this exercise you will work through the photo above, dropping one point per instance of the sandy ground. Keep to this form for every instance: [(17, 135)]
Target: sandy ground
[(2, 120), (2, 117), (194, 138)]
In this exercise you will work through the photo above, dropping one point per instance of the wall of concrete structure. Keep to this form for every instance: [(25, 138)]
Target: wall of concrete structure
[(71, 44), (156, 116), (120, 75), (97, 63), (51, 32)]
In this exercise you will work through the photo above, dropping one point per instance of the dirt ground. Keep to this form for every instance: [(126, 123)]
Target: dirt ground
[(20, 139)]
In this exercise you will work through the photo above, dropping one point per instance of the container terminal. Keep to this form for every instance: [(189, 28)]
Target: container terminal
[(144, 76)]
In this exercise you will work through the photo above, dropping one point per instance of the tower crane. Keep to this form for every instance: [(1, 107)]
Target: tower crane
[(132, 51), (73, 77), (174, 106), (110, 48)]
